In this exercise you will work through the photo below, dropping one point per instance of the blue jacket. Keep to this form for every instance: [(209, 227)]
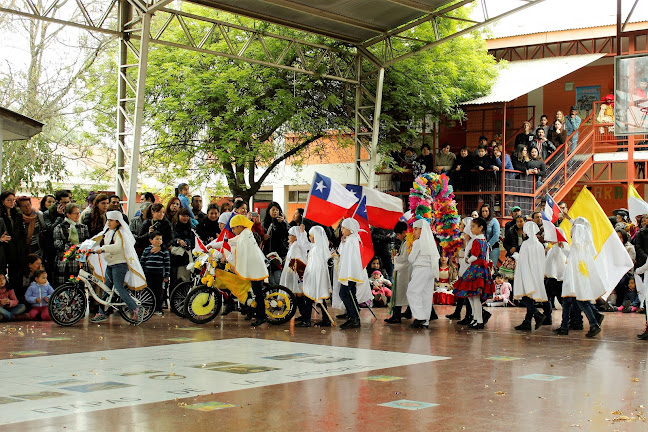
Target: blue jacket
[(493, 233), (34, 291)]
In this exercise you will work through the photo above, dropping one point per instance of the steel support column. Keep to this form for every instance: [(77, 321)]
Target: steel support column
[(373, 156), (125, 13)]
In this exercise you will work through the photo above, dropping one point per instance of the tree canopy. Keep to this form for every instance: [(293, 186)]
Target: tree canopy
[(207, 116)]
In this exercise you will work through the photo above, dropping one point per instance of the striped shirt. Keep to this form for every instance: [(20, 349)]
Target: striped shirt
[(156, 262)]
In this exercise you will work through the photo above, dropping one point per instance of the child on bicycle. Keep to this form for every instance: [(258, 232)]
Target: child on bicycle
[(156, 263), (123, 269), (247, 261), (38, 295)]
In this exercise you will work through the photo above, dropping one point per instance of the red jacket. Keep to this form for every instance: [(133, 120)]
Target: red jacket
[(8, 293)]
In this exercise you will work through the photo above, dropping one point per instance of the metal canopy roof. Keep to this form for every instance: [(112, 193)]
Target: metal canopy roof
[(17, 126), (353, 21), (521, 77)]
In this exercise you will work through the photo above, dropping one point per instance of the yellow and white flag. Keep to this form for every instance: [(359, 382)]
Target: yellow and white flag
[(636, 205), (612, 259)]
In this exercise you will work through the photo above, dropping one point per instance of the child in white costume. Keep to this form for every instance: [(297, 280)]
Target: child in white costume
[(317, 283), (555, 264), (529, 281), (424, 258), (582, 282), (402, 275), (247, 261), (120, 267), (354, 283), (298, 250)]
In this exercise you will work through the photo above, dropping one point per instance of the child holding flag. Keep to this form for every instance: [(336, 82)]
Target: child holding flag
[(247, 261), (351, 273)]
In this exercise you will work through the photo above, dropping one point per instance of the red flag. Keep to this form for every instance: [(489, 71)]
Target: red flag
[(226, 232), (328, 201), (200, 246), (366, 245)]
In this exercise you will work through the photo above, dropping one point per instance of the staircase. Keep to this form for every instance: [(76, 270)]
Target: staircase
[(566, 166)]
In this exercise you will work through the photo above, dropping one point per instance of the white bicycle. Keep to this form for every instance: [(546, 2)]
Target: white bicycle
[(68, 303)]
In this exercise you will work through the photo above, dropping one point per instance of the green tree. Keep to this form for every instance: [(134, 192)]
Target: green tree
[(208, 115)]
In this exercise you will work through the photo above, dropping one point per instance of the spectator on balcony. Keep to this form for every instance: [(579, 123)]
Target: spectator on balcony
[(408, 163), (544, 124), (483, 141), (520, 159), (426, 159), (497, 159), (559, 116), (544, 146), (536, 165), (483, 163), (463, 164), (606, 114), (572, 123), (526, 137), (445, 160), (557, 133)]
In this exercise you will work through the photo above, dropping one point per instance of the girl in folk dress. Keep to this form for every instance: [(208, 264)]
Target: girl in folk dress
[(476, 283), (447, 276), (317, 284), (582, 282), (296, 257), (529, 282), (424, 258)]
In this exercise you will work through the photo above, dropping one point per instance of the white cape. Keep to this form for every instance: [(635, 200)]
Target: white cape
[(246, 257), (317, 283), (529, 281), (582, 279), (298, 250), (556, 261)]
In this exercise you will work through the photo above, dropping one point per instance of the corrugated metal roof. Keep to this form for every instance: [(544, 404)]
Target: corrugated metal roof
[(524, 76), (353, 21), (557, 15)]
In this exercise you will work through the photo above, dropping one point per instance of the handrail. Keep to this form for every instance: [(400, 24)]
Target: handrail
[(563, 145)]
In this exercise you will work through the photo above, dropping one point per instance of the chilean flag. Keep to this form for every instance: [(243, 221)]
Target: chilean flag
[(551, 210), (366, 245), (383, 210), (200, 246), (328, 201), (226, 232), (551, 233)]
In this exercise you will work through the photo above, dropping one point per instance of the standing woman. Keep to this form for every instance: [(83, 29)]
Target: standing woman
[(492, 233), (276, 236), (172, 208), (521, 160), (155, 221), (15, 248), (557, 133), (95, 221), (46, 202), (67, 233), (183, 243)]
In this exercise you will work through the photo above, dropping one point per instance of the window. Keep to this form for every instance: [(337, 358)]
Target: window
[(298, 196)]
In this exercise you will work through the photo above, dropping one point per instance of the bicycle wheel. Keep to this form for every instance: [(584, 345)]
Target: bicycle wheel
[(279, 303), (202, 304), (178, 296), (67, 305), (146, 299)]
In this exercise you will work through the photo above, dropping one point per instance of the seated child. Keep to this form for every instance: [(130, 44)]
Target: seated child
[(380, 288), (631, 300), (502, 294), (10, 309), (38, 295)]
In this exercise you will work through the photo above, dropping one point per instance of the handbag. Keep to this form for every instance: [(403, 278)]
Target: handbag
[(178, 250)]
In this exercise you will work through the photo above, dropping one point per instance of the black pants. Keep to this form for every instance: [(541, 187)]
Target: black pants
[(348, 297), (306, 308), (155, 281), (257, 289)]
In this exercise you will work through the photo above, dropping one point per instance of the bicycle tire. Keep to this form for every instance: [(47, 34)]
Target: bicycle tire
[(202, 304), (280, 304), (146, 298), (178, 296), (67, 304)]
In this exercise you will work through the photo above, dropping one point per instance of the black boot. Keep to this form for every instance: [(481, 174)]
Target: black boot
[(453, 315), (644, 335), (341, 316), (407, 314), (304, 323), (350, 323), (418, 324), (593, 331), (486, 315), (396, 316), (539, 319), (525, 326), (433, 315), (467, 320), (561, 331)]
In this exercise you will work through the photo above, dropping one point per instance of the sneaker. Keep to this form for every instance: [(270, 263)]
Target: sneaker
[(158, 313), (137, 315), (467, 320), (577, 326), (626, 306), (633, 308), (561, 331), (99, 318)]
